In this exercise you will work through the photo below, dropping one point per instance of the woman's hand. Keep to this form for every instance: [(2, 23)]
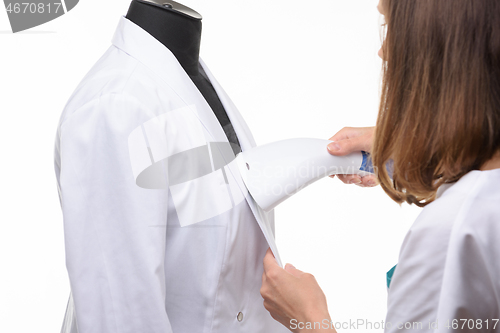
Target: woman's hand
[(294, 298), (351, 139)]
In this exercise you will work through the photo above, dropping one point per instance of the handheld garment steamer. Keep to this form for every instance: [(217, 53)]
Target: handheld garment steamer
[(274, 172)]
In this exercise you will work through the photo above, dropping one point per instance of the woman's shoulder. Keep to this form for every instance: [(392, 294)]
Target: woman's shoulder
[(474, 199), (467, 208), (478, 195), (465, 217), (478, 219)]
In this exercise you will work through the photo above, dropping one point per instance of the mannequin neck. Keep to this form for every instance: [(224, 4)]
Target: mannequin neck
[(179, 33)]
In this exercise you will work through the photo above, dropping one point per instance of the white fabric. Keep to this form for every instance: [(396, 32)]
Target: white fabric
[(144, 255), (449, 265)]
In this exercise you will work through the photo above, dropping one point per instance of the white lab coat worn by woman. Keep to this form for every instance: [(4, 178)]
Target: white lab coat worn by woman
[(452, 253)]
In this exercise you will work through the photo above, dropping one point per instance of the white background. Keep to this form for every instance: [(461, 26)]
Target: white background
[(294, 69)]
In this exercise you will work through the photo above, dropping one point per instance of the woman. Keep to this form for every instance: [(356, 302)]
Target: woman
[(439, 121)]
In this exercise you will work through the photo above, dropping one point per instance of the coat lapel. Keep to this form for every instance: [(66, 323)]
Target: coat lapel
[(247, 142), (242, 131)]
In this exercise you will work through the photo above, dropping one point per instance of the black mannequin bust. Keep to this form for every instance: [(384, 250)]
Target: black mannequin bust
[(179, 29)]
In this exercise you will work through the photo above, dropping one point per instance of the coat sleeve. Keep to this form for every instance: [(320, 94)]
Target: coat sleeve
[(114, 230)]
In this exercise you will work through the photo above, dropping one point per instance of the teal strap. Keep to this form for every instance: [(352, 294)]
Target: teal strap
[(390, 273)]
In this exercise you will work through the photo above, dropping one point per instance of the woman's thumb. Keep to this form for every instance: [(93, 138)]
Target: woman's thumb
[(345, 147), (292, 270)]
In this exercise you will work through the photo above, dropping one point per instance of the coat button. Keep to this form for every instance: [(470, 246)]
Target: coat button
[(240, 316)]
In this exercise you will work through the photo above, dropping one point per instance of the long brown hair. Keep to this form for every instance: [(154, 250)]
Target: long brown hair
[(439, 115)]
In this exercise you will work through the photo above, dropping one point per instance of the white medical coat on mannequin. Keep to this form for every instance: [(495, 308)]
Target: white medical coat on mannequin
[(160, 233), (448, 275)]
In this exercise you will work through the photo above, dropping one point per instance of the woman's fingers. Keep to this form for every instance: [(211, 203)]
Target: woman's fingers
[(366, 181), (369, 181), (350, 179)]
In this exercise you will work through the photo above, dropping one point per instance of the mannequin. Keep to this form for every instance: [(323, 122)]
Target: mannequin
[(179, 28), (161, 234)]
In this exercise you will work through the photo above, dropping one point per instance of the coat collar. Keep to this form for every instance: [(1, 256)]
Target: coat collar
[(140, 45)]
